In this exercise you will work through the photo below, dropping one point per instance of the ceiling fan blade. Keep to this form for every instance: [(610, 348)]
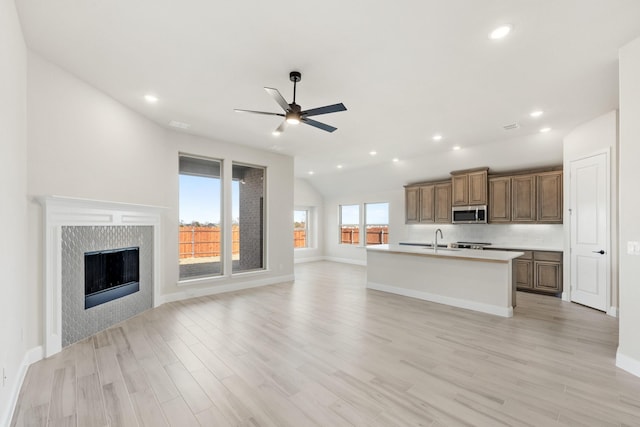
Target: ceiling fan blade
[(280, 128), (318, 125), (259, 112), (275, 94), (324, 110)]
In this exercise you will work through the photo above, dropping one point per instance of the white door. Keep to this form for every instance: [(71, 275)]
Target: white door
[(590, 239)]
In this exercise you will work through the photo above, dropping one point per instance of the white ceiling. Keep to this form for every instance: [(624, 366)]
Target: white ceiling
[(405, 70)]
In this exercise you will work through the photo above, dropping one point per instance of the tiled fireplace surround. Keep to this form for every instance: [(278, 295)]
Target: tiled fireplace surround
[(74, 226)]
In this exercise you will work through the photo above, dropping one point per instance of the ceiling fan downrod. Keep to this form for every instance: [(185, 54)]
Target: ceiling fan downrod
[(295, 77)]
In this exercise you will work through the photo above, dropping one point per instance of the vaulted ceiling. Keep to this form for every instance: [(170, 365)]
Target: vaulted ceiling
[(406, 71)]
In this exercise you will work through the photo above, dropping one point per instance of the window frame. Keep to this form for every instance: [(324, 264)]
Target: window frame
[(366, 224), (307, 228), (358, 225)]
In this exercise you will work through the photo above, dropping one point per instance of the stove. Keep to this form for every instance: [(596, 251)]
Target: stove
[(470, 245)]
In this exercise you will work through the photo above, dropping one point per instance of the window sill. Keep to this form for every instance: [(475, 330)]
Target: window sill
[(211, 280)]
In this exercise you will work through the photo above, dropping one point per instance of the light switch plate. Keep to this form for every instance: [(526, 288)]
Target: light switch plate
[(633, 248)]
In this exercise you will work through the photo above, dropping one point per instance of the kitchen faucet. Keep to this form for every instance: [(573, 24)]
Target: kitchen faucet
[(435, 246)]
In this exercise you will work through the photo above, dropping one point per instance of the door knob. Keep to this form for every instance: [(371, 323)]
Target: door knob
[(601, 252)]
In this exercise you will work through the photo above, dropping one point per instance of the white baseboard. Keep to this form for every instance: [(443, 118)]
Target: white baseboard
[(613, 311), (440, 299), (308, 259), (627, 363), (346, 260), (31, 356), (218, 289)]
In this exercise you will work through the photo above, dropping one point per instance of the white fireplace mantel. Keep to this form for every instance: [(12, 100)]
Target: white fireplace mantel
[(66, 211)]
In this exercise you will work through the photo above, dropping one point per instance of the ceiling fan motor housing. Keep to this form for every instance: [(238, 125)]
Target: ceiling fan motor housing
[(295, 76)]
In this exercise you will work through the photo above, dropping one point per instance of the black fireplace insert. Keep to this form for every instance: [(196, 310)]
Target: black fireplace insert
[(110, 275)]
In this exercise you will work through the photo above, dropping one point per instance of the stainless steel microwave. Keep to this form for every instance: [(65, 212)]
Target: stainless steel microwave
[(469, 214)]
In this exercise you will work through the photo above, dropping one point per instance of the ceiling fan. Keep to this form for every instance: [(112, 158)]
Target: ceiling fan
[(293, 112)]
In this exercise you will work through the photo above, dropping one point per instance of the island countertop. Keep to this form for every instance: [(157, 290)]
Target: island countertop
[(470, 254)]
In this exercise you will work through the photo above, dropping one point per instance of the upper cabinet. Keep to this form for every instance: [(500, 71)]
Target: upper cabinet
[(549, 189), (499, 205), (428, 203), (469, 187), (534, 198)]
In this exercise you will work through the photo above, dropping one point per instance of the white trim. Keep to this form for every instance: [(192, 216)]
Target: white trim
[(195, 293), (308, 259), (68, 211), (628, 363), (346, 260), (440, 299), (31, 356), (613, 311)]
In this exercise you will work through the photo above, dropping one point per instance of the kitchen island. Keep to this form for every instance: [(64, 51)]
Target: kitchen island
[(472, 279)]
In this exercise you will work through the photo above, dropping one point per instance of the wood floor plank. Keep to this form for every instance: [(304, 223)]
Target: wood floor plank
[(326, 351)]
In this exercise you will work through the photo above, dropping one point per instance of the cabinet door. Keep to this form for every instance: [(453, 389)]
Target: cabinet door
[(427, 208), (523, 273), (548, 277), (549, 194), (411, 205), (523, 198), (478, 188), (460, 190), (443, 203), (500, 199)]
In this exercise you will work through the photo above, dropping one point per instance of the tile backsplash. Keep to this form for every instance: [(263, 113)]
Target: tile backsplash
[(548, 235)]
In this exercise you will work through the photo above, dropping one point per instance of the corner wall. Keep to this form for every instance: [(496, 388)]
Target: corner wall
[(628, 356), (84, 144), (13, 213)]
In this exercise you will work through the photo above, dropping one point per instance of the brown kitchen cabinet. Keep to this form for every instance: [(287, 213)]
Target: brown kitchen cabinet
[(523, 198), (499, 199), (411, 207), (469, 188), (428, 203), (538, 271), (534, 198), (549, 197)]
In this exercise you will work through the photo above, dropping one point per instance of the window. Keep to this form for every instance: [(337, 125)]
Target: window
[(200, 234), (248, 218), (377, 223), (350, 224), (301, 229)]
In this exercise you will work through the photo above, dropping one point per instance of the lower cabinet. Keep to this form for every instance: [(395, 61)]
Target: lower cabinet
[(538, 271)]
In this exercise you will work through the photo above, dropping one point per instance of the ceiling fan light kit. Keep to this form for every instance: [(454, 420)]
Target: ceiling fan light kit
[(293, 112)]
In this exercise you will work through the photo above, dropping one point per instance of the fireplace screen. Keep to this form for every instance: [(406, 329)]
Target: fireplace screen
[(110, 275)]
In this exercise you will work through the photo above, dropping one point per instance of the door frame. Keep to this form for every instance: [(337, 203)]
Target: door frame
[(567, 290)]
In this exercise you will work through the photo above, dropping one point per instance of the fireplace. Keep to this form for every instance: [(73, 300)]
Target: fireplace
[(111, 274), (74, 228)]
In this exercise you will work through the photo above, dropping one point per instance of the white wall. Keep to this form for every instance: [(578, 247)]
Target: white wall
[(357, 254), (305, 196), (13, 213), (594, 136), (629, 343), (84, 144)]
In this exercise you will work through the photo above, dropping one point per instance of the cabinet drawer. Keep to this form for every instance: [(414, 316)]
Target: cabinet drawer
[(548, 256)]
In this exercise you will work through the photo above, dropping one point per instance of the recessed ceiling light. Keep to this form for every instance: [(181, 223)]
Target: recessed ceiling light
[(395, 160), (536, 113), (373, 153), (500, 32), (276, 133), (455, 147), (311, 172), (339, 166), (545, 130), (437, 137), (151, 99)]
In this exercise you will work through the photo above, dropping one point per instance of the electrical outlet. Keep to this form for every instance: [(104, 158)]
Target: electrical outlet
[(4, 377), (633, 248)]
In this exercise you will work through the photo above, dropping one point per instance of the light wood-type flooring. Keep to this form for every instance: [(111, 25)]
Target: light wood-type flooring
[(325, 351)]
